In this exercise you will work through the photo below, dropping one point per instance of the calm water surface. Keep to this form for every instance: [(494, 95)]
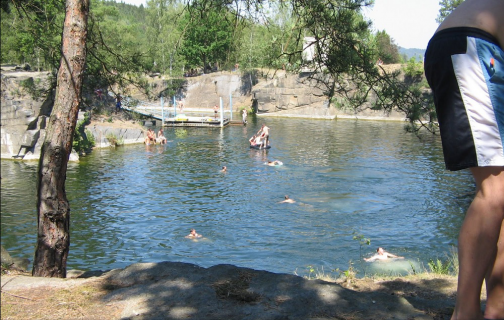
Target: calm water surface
[(136, 203)]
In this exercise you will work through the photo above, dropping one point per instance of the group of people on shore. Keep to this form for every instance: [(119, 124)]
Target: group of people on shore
[(152, 139), (261, 138)]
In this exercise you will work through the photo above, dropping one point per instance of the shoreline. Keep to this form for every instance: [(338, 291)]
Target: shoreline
[(175, 290)]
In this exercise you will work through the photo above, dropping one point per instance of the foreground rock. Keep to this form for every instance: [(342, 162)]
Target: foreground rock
[(171, 290)]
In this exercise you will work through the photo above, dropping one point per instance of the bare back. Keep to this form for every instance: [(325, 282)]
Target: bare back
[(486, 15)]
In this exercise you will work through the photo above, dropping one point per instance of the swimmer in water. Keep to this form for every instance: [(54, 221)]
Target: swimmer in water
[(382, 255), (193, 234), (274, 163), (224, 169), (287, 200)]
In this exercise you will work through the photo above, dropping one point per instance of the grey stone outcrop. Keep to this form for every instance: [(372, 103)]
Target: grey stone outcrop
[(276, 94), (126, 135), (23, 119), (13, 262)]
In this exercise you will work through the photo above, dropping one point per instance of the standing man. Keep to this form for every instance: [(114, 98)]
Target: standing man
[(118, 103), (464, 65), (215, 109), (244, 116), (263, 133)]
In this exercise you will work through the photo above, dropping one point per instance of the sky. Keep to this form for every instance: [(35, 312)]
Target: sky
[(410, 23)]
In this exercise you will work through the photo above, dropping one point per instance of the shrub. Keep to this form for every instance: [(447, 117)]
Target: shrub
[(439, 266), (83, 140), (414, 70), (113, 140), (34, 88)]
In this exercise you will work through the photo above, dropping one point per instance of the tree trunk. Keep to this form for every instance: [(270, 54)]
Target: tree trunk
[(53, 209)]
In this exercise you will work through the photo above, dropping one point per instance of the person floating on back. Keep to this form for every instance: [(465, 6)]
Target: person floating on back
[(382, 255)]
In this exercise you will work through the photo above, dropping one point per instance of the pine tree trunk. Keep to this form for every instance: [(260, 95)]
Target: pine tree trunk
[(53, 209)]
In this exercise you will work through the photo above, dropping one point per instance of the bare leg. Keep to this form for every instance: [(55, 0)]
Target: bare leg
[(478, 243), (495, 283)]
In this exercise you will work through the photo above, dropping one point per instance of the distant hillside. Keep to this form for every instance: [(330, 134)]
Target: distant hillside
[(409, 53)]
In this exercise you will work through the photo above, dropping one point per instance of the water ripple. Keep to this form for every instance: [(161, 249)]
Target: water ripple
[(136, 203)]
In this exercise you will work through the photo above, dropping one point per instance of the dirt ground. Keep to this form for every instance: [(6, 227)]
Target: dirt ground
[(85, 299)]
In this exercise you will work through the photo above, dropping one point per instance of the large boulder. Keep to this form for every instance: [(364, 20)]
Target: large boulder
[(12, 262)]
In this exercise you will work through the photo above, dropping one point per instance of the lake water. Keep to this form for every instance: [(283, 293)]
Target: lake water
[(349, 178)]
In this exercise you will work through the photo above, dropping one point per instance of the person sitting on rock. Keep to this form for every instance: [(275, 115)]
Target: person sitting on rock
[(151, 136), (161, 138)]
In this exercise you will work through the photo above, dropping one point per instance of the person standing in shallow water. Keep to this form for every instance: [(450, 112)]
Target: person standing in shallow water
[(244, 116), (464, 65)]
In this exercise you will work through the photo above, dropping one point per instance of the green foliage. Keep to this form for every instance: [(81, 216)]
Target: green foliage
[(208, 34), (172, 87), (116, 46), (31, 33), (316, 273), (453, 258), (349, 274), (164, 37), (344, 64), (413, 269), (413, 69), (83, 140), (34, 88), (362, 241), (388, 51), (125, 42), (113, 140), (447, 6), (439, 267), (311, 271)]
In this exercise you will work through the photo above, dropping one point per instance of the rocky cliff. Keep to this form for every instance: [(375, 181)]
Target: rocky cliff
[(24, 117), (268, 93)]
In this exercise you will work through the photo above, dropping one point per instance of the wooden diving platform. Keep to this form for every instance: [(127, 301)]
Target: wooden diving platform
[(190, 117), (182, 120)]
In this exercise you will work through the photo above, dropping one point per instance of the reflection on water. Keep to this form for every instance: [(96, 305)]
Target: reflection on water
[(136, 203)]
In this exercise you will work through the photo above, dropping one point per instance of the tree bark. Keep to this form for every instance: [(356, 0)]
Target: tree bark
[(53, 209)]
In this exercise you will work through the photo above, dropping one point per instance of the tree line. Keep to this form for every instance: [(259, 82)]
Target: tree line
[(171, 37)]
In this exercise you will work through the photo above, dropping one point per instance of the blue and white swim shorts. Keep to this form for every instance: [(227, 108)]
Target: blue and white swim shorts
[(465, 70)]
